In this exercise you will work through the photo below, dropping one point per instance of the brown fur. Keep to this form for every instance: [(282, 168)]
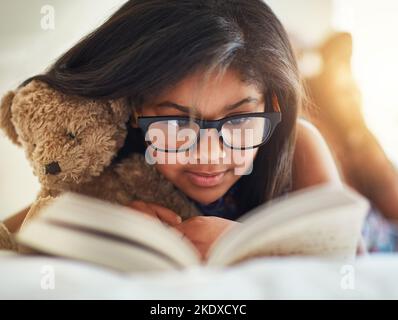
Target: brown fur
[(5, 117), (6, 240), (83, 136)]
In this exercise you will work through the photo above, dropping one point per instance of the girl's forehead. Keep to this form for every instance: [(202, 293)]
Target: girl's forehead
[(208, 94)]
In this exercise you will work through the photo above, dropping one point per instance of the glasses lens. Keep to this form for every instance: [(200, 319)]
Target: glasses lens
[(246, 132), (175, 134)]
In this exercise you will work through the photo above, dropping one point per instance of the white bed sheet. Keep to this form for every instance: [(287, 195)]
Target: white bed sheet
[(369, 277)]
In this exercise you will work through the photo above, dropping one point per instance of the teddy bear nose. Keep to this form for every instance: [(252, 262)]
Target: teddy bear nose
[(52, 168)]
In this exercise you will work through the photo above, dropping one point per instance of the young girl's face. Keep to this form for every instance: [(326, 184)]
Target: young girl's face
[(209, 169)]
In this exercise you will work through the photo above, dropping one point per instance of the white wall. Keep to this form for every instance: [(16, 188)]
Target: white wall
[(309, 19)]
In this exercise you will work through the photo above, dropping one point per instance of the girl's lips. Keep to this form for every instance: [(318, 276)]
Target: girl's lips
[(205, 179)]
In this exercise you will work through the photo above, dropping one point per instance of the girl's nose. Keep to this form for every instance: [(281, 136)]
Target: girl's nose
[(209, 148)]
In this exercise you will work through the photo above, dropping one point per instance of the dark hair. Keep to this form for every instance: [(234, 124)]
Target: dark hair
[(148, 46)]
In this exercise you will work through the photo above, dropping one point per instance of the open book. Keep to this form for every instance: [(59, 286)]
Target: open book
[(323, 220)]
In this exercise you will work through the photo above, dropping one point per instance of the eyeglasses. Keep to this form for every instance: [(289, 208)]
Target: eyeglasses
[(239, 132)]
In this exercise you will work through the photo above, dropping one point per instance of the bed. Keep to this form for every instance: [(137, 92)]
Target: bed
[(39, 277)]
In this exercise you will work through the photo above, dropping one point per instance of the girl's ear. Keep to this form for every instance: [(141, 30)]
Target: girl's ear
[(6, 115)]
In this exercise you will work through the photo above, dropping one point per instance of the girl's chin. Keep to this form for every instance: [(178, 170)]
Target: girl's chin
[(205, 196)]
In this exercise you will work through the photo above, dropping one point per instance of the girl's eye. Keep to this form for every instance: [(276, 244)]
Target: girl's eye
[(238, 121), (179, 123)]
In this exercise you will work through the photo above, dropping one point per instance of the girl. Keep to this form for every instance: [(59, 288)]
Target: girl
[(182, 64)]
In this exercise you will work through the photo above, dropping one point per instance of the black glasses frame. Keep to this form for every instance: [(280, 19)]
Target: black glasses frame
[(274, 117)]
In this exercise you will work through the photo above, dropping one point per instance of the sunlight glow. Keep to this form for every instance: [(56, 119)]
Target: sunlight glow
[(374, 27)]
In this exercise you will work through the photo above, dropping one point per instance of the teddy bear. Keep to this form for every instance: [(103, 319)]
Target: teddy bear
[(6, 239), (71, 143)]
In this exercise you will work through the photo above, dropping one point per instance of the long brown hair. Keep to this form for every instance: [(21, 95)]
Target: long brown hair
[(148, 46)]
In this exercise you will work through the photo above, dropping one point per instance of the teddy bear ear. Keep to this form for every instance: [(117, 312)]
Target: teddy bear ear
[(6, 115), (120, 110)]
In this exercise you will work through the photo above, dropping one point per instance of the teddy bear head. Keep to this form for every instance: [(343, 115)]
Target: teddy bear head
[(67, 139)]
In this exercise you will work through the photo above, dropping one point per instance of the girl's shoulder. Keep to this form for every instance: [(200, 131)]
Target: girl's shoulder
[(306, 126), (313, 162)]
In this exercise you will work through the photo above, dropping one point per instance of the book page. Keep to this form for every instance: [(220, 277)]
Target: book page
[(105, 252), (75, 211), (317, 221)]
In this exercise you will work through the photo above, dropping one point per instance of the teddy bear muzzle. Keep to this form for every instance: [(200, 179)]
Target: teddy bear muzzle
[(52, 168)]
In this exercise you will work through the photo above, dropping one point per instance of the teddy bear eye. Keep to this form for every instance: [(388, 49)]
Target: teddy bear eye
[(71, 135)]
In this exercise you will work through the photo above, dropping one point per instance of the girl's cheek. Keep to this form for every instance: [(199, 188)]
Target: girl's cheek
[(172, 172), (173, 164), (242, 161), (170, 158)]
